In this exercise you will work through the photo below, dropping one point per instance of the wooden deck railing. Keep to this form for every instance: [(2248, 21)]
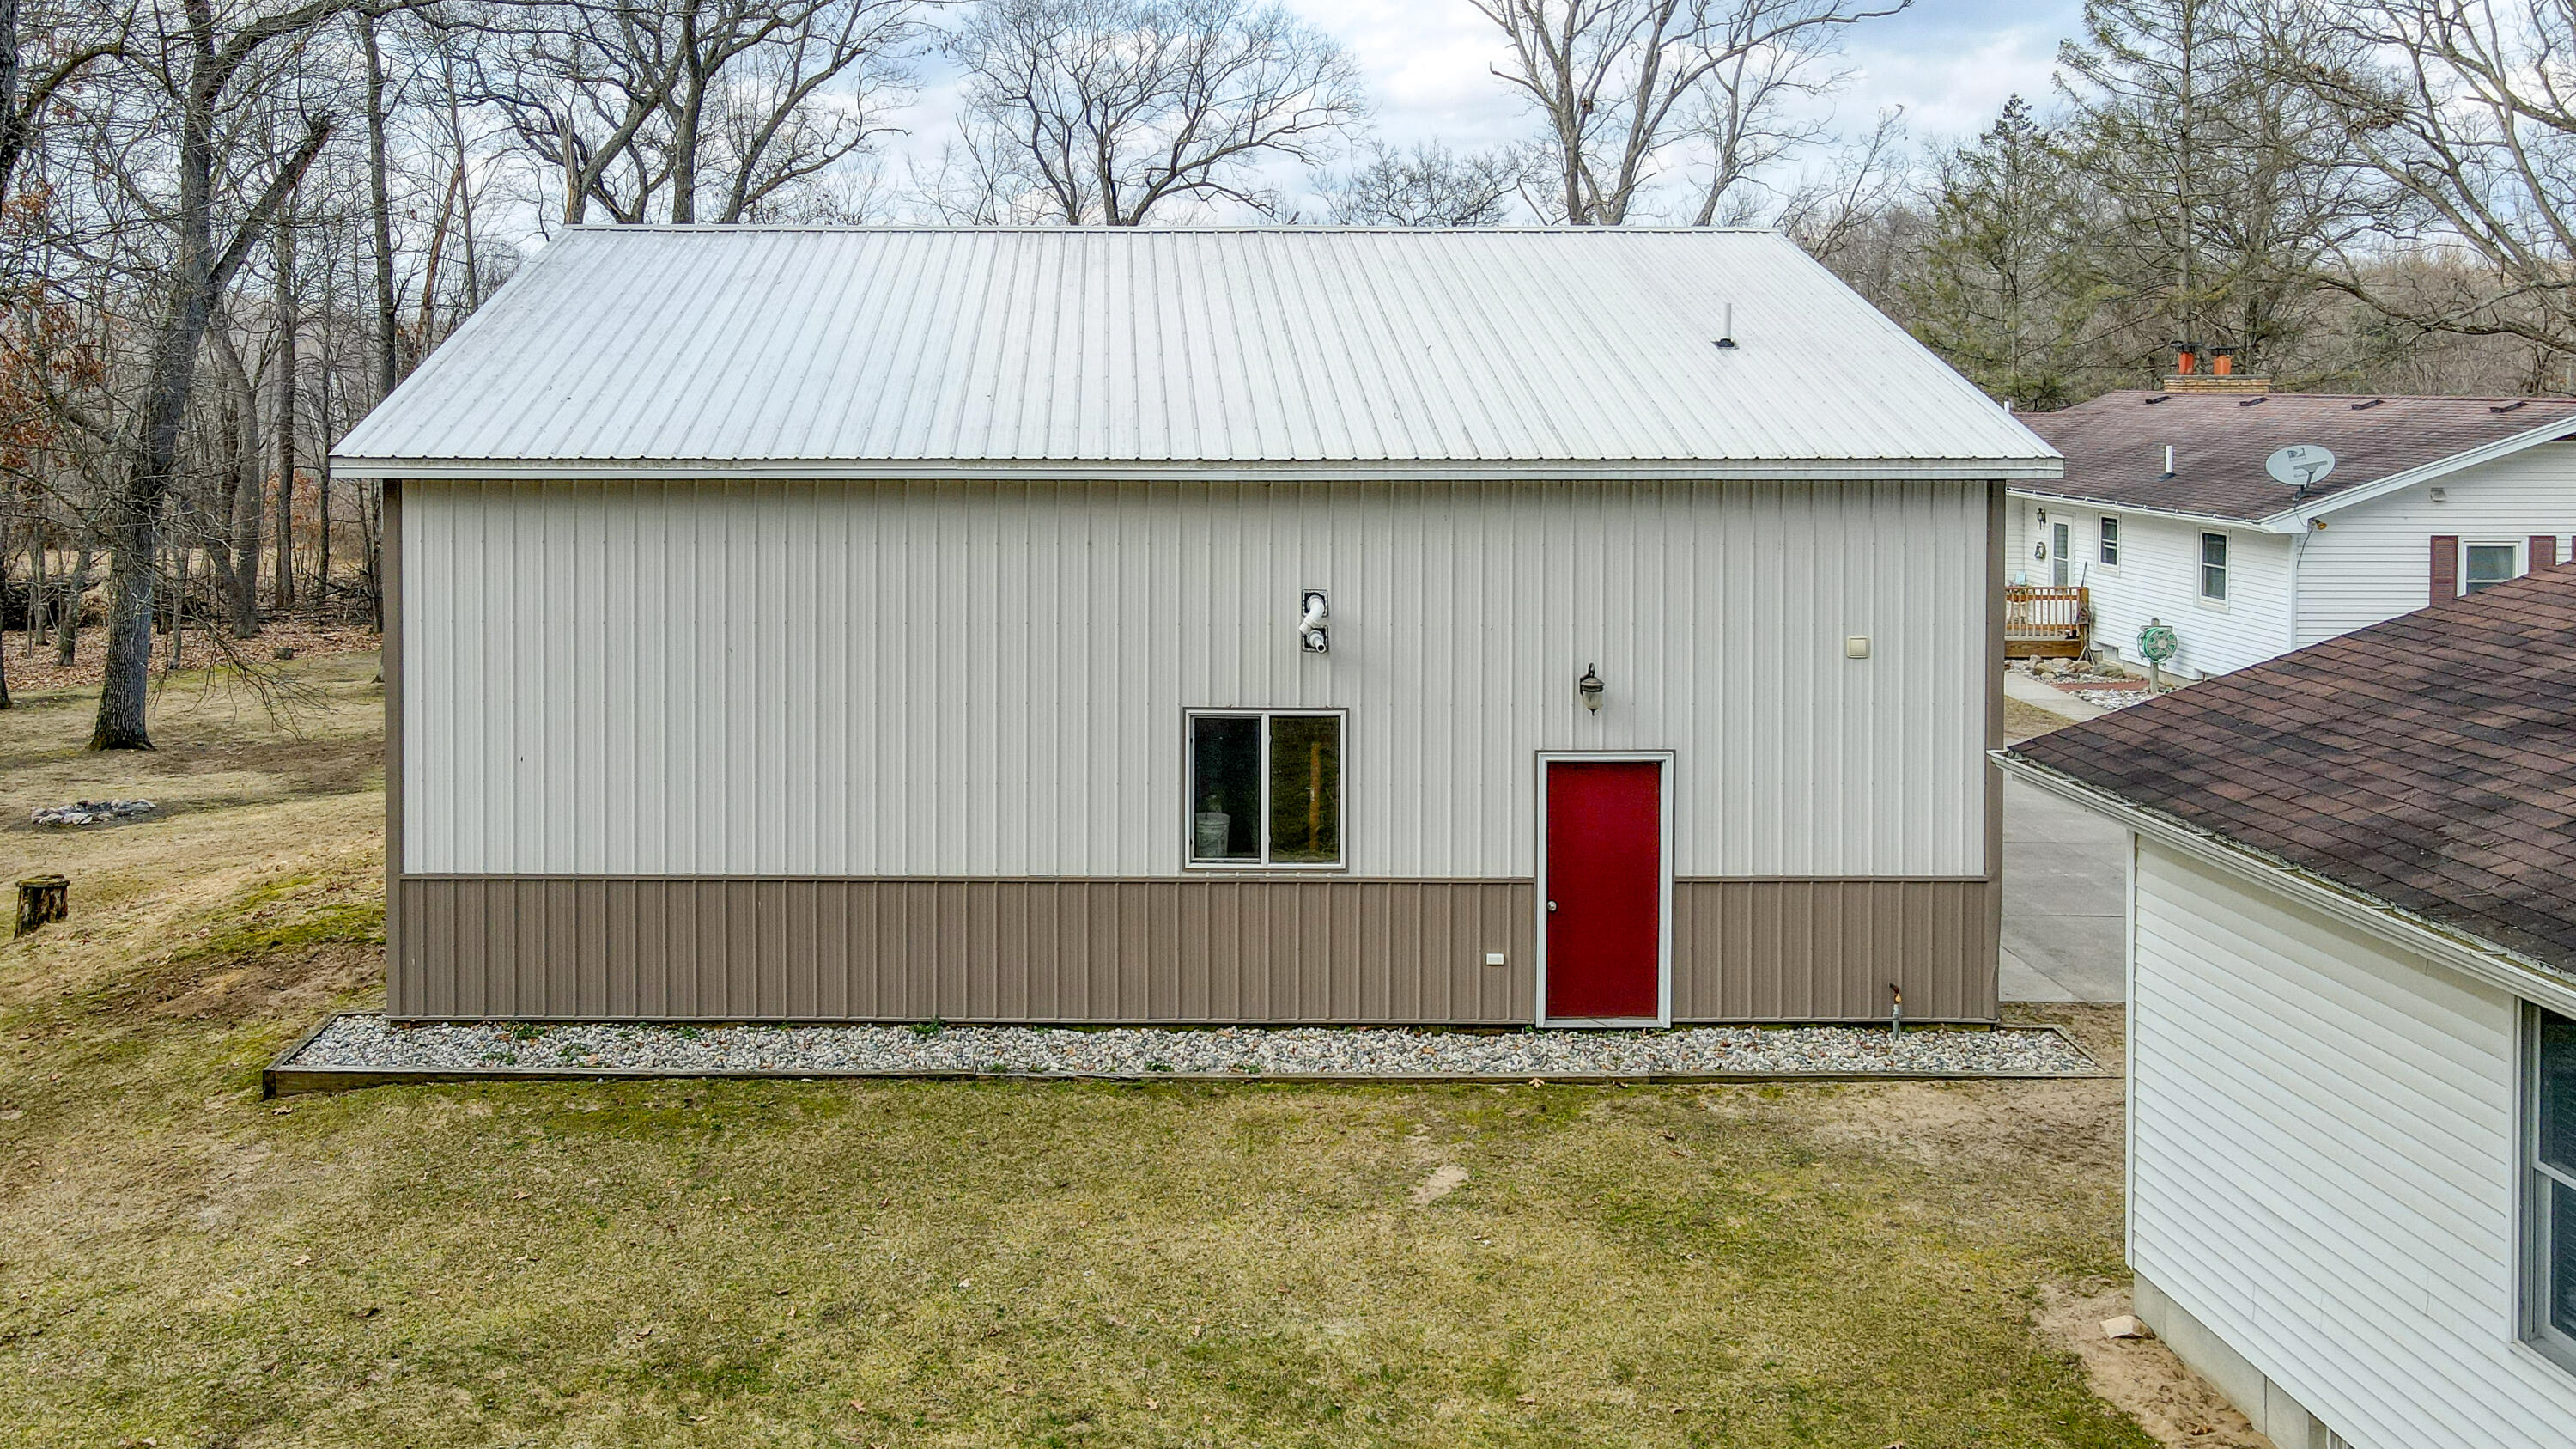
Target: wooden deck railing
[(2046, 619)]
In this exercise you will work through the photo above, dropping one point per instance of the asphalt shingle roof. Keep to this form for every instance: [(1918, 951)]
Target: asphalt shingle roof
[(2115, 444), (2428, 762)]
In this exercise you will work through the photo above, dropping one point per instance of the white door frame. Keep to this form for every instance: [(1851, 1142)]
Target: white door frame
[(1663, 1016)]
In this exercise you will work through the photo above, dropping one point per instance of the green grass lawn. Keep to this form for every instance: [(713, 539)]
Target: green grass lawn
[(731, 1263)]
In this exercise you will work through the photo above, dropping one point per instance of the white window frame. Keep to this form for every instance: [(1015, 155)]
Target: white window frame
[(2106, 543), (2226, 568), (2532, 1227), (1189, 789), (2514, 550)]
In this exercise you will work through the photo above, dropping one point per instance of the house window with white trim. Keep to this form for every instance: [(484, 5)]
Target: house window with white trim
[(2213, 567), (2549, 1174), (2485, 565), (1265, 788), (2108, 550)]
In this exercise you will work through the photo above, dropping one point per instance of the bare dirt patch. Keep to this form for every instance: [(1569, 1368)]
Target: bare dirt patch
[(2021, 721), (2141, 1375)]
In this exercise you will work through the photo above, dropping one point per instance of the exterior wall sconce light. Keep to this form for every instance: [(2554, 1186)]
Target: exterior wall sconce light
[(1311, 613), (1589, 687)]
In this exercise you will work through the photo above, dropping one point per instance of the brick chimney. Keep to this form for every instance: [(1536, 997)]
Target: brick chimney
[(2221, 377)]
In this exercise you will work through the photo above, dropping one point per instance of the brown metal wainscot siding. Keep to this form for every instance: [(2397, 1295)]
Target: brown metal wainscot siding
[(1207, 951)]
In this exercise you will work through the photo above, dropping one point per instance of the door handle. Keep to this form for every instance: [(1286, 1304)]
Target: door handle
[(1551, 905)]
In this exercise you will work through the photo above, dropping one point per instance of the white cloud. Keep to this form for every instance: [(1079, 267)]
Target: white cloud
[(1428, 68)]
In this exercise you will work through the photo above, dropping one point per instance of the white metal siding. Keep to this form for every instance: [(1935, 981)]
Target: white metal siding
[(2373, 561), (979, 679), (1249, 346), (2158, 577), (2323, 1163)]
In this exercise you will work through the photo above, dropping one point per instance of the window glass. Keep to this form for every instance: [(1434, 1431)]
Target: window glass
[(1305, 788), (2484, 565), (2553, 1182), (2110, 543), (2562, 1258), (1225, 787), (1265, 788), (2213, 566), (2557, 1092)]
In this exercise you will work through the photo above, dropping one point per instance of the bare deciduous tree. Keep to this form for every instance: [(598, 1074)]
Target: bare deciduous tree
[(202, 57), (2466, 111), (1617, 82), (1427, 186), (1102, 111), (640, 99)]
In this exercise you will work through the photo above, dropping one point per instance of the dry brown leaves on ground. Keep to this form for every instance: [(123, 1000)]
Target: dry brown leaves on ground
[(307, 638)]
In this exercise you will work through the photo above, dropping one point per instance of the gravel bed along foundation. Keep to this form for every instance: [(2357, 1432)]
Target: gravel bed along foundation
[(367, 1043)]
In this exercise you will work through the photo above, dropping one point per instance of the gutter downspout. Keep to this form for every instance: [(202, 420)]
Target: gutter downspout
[(2298, 554)]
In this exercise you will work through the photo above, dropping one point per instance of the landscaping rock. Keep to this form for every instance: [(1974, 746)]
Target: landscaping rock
[(369, 1042), (92, 812)]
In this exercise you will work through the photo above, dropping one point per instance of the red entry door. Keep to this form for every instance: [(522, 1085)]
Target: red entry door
[(1605, 889)]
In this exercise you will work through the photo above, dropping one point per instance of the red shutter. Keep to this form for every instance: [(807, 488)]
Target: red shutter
[(2446, 567), (2544, 552)]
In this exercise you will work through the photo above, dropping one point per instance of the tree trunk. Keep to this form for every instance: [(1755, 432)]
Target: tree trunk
[(322, 552), (283, 424), (180, 557), (139, 486), (37, 603), (242, 499), (379, 206), (67, 625), (684, 125), (4, 633)]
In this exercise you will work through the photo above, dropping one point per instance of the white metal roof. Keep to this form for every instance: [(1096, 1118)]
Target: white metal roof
[(1246, 352)]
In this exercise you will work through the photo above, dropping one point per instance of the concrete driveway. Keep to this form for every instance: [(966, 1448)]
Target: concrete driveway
[(2065, 877), (2065, 873)]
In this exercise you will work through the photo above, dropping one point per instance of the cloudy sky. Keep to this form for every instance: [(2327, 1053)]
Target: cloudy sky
[(1949, 63)]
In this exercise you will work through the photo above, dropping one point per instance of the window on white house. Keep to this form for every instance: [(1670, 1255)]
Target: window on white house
[(2213, 566), (2109, 553), (1265, 788), (2485, 565), (2550, 1172)]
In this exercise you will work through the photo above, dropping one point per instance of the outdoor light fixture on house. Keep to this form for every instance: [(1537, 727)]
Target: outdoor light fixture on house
[(1590, 687), (1311, 633)]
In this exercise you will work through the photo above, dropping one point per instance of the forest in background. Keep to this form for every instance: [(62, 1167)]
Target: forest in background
[(229, 227)]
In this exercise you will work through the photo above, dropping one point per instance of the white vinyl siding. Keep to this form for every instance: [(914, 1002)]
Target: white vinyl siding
[(990, 680), (2324, 1163), (2373, 561), (2159, 578)]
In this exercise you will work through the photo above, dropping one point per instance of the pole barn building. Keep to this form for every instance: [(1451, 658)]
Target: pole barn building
[(1261, 625)]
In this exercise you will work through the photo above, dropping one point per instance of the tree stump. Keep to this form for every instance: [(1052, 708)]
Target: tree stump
[(42, 898)]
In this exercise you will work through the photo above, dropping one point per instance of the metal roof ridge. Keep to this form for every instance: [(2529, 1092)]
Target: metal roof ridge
[(701, 228)]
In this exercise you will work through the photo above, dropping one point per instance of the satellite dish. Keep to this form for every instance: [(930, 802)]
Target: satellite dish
[(2301, 465)]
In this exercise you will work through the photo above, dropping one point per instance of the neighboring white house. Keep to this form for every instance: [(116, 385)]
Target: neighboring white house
[(2352, 1022), (1108, 624), (2429, 498)]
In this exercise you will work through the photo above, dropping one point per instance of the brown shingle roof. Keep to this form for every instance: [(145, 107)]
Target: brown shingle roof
[(2428, 762), (2115, 443)]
